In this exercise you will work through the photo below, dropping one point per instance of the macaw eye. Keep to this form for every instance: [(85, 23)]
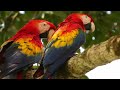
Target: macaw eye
[(44, 24), (86, 16)]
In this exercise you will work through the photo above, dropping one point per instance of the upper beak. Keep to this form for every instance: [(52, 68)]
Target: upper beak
[(92, 27), (51, 30), (50, 34)]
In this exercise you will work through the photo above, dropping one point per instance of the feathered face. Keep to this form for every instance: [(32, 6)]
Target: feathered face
[(86, 20), (45, 26), (46, 29), (40, 27)]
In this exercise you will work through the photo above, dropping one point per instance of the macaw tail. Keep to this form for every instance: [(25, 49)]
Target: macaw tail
[(20, 75)]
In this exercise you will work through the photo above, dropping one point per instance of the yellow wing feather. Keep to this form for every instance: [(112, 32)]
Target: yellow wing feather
[(64, 39), (28, 47)]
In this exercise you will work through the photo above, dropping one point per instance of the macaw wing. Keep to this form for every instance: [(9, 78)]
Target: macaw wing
[(17, 56), (3, 48), (62, 46)]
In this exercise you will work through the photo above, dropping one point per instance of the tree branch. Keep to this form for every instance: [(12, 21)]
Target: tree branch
[(96, 55), (9, 20)]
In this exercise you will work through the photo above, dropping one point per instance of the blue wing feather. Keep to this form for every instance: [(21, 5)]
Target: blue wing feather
[(55, 57), (15, 60)]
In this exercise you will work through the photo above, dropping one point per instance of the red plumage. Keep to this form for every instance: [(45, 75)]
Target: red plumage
[(71, 19), (68, 38), (12, 55), (30, 30)]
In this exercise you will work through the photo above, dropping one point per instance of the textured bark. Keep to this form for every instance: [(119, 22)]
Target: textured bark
[(96, 55)]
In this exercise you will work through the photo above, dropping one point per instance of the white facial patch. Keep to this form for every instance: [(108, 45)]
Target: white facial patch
[(85, 19), (44, 27)]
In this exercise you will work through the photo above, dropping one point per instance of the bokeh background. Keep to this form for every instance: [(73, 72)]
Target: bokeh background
[(107, 23)]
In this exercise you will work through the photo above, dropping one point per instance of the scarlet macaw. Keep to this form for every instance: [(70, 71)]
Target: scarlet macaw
[(24, 48), (67, 39)]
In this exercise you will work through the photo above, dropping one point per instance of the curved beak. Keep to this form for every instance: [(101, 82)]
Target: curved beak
[(90, 27), (51, 30), (48, 34)]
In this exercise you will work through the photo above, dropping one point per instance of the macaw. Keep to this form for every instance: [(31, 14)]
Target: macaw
[(25, 48), (67, 39)]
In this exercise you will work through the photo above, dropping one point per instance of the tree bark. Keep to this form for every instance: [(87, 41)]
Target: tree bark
[(96, 55)]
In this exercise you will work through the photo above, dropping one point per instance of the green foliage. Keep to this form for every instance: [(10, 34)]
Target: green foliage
[(107, 25)]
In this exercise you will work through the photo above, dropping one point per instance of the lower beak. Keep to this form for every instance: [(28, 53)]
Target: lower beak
[(90, 27), (44, 35)]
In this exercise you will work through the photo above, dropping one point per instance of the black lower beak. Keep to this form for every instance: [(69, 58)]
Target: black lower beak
[(88, 26), (44, 35)]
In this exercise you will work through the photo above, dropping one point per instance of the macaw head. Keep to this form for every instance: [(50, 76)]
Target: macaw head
[(40, 27), (87, 20)]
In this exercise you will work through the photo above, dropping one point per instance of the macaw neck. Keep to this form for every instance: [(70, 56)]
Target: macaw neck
[(25, 33), (71, 26)]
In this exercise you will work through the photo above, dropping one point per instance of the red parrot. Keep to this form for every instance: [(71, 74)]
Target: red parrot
[(67, 39), (24, 48)]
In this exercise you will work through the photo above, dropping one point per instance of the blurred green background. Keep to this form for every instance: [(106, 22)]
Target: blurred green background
[(107, 23)]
